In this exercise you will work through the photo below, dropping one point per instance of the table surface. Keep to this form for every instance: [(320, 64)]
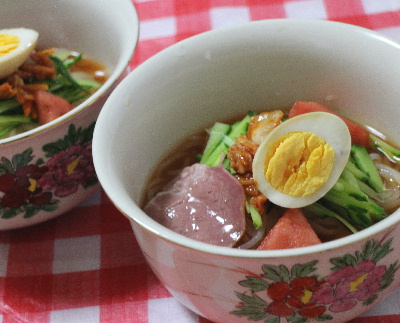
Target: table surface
[(86, 266)]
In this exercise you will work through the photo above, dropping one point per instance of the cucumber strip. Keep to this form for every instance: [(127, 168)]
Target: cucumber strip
[(13, 120), (322, 211), (365, 188), (384, 146), (388, 150), (344, 188), (59, 65), (357, 213), (91, 84), (7, 105), (352, 168), (361, 210), (6, 129), (255, 215), (68, 58), (239, 128), (72, 60), (350, 178), (212, 157), (217, 133), (61, 55), (226, 163), (364, 163), (222, 148)]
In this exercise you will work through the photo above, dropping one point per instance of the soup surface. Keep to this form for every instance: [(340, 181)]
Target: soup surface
[(335, 177)]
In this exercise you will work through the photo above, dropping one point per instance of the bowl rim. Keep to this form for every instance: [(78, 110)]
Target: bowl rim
[(171, 237), (125, 204), (131, 39)]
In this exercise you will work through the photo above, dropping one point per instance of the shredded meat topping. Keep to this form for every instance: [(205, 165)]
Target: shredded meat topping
[(248, 183), (7, 91), (40, 67), (259, 202), (257, 199), (241, 155)]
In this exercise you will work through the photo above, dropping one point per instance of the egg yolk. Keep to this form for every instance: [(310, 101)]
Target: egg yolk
[(8, 43), (298, 163)]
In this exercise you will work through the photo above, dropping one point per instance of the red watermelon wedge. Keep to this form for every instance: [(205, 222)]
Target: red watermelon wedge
[(291, 231), (50, 106)]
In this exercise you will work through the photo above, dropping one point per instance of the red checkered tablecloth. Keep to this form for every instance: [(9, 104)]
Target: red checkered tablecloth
[(86, 266)]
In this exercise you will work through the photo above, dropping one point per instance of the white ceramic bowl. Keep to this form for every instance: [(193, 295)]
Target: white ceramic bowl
[(259, 66), (106, 30)]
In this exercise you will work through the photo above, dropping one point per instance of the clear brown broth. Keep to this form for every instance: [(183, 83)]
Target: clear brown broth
[(92, 68)]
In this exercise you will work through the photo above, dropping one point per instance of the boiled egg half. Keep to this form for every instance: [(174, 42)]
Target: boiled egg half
[(302, 158), (15, 46)]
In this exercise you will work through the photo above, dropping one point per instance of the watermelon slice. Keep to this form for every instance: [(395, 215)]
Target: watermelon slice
[(50, 106), (359, 135), (291, 231)]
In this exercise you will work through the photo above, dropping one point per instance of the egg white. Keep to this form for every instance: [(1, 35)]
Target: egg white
[(330, 128), (27, 43)]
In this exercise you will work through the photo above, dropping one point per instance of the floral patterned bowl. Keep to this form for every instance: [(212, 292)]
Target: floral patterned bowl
[(49, 170), (223, 73)]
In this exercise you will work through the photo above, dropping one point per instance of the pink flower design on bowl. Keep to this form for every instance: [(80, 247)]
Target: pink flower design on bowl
[(298, 294), (68, 169), (351, 284)]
